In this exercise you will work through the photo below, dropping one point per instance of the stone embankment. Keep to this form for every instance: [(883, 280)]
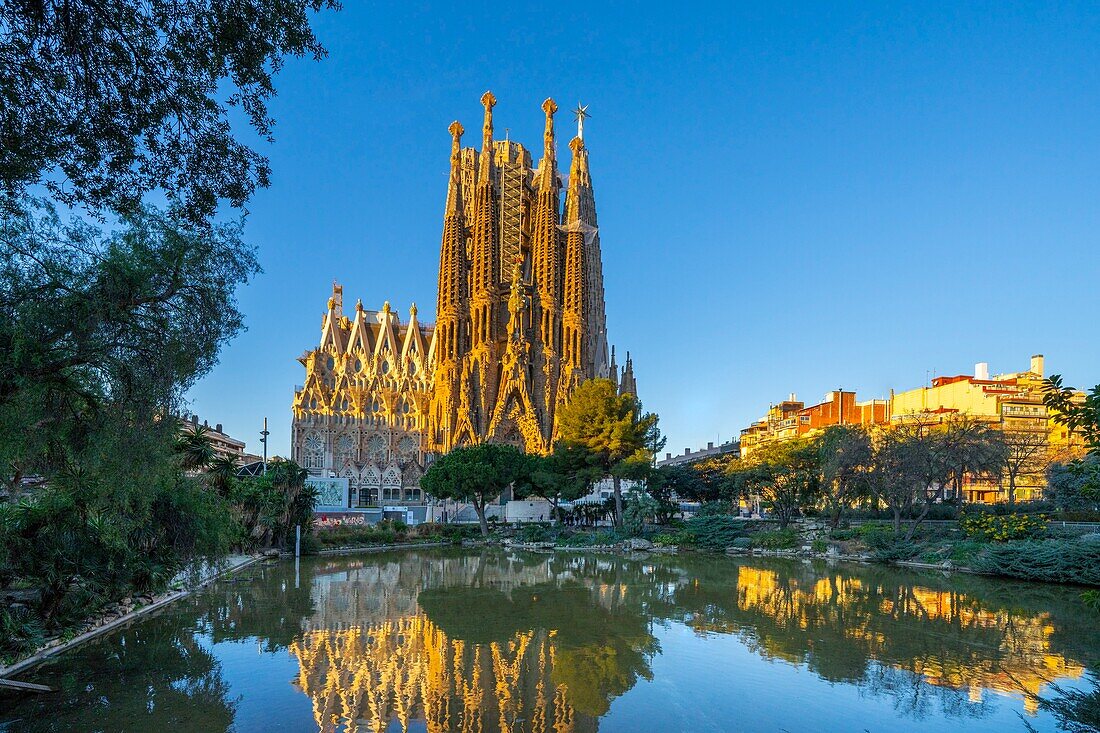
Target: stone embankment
[(129, 609)]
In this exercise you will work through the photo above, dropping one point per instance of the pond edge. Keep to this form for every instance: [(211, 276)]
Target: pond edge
[(43, 654)]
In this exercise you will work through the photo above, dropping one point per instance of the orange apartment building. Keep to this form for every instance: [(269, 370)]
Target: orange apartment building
[(791, 418), (1012, 402)]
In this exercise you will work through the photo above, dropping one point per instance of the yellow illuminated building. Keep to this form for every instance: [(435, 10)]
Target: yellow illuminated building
[(520, 322), (1012, 403)]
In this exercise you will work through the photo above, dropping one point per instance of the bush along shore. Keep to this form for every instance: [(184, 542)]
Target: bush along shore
[(125, 610), (1026, 547)]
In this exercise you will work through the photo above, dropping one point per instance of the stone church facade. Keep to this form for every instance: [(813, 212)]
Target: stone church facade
[(520, 322)]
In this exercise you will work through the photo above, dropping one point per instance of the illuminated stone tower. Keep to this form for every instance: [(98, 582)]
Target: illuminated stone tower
[(520, 322), (481, 369)]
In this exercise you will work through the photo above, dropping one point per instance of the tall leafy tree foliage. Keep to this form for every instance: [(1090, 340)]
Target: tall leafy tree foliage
[(560, 476), (844, 457), (477, 474), (1083, 417), (609, 434), (100, 335), (103, 101), (102, 332), (97, 326), (920, 457), (784, 474)]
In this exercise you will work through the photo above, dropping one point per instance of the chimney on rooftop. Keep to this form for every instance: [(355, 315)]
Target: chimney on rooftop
[(218, 428), (668, 456), (710, 445), (792, 397), (1037, 364), (981, 370)]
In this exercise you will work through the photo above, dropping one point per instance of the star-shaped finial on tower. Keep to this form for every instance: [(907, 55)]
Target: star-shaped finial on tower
[(581, 112)]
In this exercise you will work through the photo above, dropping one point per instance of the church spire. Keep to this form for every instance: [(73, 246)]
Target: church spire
[(575, 310), (627, 385), (488, 101), (486, 252), (453, 266), (454, 184), (546, 245)]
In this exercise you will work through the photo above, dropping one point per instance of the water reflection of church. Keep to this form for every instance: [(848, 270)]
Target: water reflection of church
[(372, 657), (495, 642)]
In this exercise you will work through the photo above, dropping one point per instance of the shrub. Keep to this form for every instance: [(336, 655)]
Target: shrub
[(535, 533), (673, 539), (713, 509), (1002, 528), (743, 542), (587, 539), (895, 551), (876, 536), (434, 531), (310, 543), (778, 539), (819, 545), (1055, 561), (1079, 515), (713, 531), (345, 535), (21, 631)]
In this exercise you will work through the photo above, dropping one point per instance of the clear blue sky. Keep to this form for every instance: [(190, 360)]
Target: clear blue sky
[(790, 199)]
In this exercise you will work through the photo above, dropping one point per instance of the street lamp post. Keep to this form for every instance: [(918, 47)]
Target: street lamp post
[(263, 439)]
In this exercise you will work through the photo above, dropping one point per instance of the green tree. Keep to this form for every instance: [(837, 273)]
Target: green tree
[(609, 433), (666, 485), (196, 451), (103, 102), (271, 505), (557, 477), (844, 459), (784, 474), (101, 326), (476, 474), (1083, 417), (1074, 485)]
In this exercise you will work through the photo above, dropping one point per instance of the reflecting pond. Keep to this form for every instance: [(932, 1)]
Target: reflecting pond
[(485, 641)]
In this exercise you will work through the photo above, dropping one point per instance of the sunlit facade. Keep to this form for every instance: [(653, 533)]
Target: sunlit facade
[(520, 322)]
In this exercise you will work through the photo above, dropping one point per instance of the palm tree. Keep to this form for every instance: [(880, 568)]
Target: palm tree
[(219, 477), (195, 449)]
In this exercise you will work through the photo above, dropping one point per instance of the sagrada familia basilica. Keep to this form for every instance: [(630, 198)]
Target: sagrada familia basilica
[(520, 322)]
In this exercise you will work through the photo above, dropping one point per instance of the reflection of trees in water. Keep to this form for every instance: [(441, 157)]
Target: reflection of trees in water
[(913, 697), (602, 645), (263, 603), (927, 642), (496, 641), (153, 676), (1077, 711), (967, 634)]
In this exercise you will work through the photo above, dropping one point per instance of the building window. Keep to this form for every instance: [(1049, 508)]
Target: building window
[(412, 494), (391, 493), (315, 451)]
